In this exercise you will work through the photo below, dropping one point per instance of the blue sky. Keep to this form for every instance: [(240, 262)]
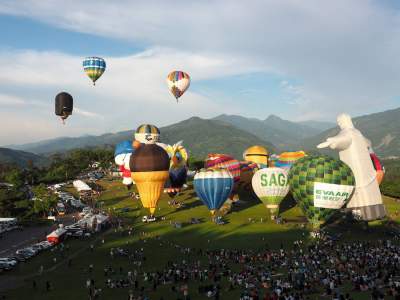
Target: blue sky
[(297, 60)]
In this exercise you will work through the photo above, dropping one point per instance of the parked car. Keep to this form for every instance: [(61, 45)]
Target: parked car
[(26, 252), (5, 266), (148, 219), (78, 233), (9, 260), (85, 211), (46, 244), (19, 258)]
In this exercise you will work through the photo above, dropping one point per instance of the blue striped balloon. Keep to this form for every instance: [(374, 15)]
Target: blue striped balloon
[(94, 67), (213, 187)]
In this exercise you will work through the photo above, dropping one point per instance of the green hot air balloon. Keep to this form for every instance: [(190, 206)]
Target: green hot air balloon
[(320, 185)]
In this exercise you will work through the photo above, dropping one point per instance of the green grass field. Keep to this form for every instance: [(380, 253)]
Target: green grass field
[(244, 229)]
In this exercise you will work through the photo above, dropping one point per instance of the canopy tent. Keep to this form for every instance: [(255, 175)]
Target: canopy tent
[(81, 186)]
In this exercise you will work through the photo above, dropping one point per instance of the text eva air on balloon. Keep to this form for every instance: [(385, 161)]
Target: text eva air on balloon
[(271, 186)]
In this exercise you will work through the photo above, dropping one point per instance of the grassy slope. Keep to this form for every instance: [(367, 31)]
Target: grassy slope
[(238, 233)]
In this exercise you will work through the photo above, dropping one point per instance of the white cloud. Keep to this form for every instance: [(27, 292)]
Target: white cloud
[(11, 100), (86, 113), (133, 90), (344, 53)]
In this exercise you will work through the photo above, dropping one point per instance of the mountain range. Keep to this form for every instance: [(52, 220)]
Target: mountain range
[(21, 158), (232, 134)]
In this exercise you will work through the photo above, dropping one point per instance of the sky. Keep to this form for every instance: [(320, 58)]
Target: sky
[(300, 60)]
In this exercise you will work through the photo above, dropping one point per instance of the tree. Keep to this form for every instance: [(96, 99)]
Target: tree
[(45, 200), (16, 177)]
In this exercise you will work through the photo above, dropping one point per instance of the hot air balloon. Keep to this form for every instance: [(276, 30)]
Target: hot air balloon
[(149, 165), (213, 186), (126, 177), (122, 154), (178, 167), (379, 168), (178, 82), (256, 154), (64, 105), (94, 67), (147, 133), (271, 186), (247, 170), (217, 161), (320, 185), (272, 159), (286, 159)]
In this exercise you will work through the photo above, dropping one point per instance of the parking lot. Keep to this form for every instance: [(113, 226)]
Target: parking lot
[(13, 240)]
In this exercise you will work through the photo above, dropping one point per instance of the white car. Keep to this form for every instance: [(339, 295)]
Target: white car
[(8, 260), (148, 219), (45, 244)]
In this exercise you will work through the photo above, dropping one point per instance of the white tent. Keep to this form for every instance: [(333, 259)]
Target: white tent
[(81, 186)]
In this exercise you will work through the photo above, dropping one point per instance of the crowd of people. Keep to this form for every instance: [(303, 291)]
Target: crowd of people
[(325, 268)]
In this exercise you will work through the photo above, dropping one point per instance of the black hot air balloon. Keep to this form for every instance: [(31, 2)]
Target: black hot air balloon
[(64, 105)]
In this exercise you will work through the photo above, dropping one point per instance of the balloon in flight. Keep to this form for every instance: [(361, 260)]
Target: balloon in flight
[(178, 82), (64, 105), (94, 67)]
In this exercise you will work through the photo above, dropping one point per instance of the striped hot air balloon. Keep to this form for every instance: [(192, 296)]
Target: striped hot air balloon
[(94, 67), (178, 82), (213, 187), (286, 159), (147, 133), (217, 161), (378, 166)]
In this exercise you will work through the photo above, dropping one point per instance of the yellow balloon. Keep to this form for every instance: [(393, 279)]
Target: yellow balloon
[(150, 186), (257, 154)]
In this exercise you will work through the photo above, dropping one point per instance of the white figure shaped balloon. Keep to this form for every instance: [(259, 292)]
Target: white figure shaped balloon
[(366, 201)]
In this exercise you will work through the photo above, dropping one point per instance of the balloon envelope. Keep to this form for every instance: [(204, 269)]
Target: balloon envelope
[(147, 133), (271, 186), (321, 185), (378, 166), (217, 161), (149, 165), (178, 82), (121, 151), (94, 67), (257, 154), (287, 159), (213, 187), (64, 104)]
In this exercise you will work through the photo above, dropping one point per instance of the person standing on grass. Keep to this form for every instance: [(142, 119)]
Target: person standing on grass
[(48, 287)]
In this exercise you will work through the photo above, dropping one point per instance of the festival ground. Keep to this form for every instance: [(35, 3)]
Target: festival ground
[(248, 227)]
